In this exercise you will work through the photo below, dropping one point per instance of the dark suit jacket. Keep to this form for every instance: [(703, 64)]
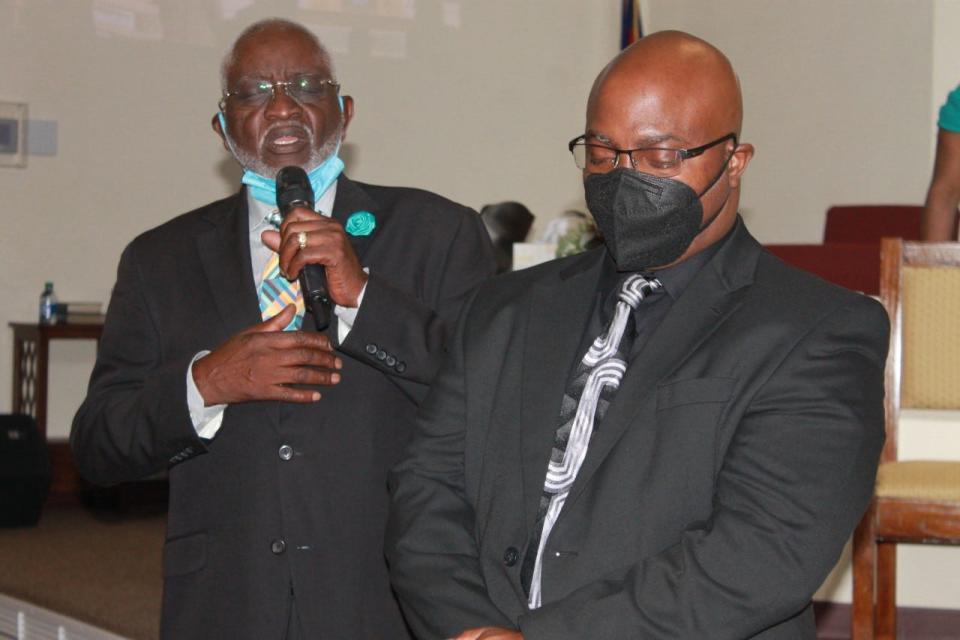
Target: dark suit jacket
[(244, 522), (716, 494)]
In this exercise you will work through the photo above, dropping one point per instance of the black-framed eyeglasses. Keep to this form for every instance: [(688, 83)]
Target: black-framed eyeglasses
[(305, 88), (659, 161)]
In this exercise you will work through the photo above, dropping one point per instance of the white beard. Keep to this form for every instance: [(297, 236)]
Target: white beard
[(318, 155)]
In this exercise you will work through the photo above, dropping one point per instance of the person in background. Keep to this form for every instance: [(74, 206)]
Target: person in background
[(671, 436), (939, 222), (507, 223), (277, 437)]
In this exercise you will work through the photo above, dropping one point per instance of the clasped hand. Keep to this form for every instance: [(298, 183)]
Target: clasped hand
[(262, 362)]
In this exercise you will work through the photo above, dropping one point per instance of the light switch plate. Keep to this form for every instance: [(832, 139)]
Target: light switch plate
[(41, 137)]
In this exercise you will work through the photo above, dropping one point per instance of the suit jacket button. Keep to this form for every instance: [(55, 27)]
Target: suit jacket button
[(390, 361), (285, 452), (511, 556), (381, 355), (401, 367), (371, 348), (278, 546)]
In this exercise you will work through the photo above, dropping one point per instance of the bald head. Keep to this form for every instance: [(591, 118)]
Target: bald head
[(267, 29), (689, 78)]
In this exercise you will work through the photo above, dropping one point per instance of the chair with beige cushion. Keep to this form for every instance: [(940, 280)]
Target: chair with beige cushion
[(915, 501)]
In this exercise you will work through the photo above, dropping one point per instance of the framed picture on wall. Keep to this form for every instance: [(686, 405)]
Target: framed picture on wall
[(13, 134)]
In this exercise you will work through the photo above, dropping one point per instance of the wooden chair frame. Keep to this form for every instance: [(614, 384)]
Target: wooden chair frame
[(892, 520)]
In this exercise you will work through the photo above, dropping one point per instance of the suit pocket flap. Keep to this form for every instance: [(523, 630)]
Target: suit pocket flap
[(694, 391), (184, 555)]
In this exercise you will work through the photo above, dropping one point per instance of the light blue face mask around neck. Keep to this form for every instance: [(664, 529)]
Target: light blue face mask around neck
[(321, 177)]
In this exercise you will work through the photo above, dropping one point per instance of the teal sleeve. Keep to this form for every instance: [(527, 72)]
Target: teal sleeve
[(950, 112)]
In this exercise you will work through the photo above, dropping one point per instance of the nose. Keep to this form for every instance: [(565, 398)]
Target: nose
[(280, 105)]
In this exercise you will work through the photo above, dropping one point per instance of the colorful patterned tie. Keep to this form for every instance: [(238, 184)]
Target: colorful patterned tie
[(584, 405), (276, 292)]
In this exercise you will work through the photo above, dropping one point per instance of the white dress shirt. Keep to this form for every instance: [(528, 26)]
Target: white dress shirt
[(207, 420)]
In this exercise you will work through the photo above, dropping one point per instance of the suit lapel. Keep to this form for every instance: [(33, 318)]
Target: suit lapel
[(225, 256), (350, 199), (713, 294), (558, 312)]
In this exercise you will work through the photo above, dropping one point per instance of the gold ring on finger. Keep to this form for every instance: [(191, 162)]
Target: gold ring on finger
[(302, 239)]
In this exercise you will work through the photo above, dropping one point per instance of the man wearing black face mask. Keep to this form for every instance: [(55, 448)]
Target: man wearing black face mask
[(671, 436)]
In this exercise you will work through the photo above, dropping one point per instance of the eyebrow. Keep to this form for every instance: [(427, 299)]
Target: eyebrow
[(647, 141), (285, 74)]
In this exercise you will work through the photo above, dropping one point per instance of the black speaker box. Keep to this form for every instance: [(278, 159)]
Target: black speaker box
[(24, 471)]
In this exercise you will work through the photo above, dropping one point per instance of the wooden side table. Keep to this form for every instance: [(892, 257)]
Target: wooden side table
[(31, 353)]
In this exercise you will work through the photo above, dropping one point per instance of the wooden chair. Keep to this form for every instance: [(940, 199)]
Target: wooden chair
[(914, 501)]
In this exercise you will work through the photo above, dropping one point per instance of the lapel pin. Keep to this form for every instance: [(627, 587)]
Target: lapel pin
[(361, 223)]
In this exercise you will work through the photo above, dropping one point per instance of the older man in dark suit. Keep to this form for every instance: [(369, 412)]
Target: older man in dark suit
[(669, 437), (278, 496)]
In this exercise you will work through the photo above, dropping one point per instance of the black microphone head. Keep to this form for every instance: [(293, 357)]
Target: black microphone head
[(293, 189)]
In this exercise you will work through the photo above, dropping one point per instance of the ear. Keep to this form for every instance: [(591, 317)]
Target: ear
[(738, 163), (347, 113), (218, 129)]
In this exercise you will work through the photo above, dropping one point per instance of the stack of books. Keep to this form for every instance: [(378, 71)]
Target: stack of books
[(80, 312)]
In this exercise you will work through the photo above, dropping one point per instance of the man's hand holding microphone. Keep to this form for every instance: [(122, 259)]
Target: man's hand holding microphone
[(263, 362)]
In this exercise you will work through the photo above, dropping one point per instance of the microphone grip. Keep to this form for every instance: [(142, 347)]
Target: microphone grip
[(316, 298)]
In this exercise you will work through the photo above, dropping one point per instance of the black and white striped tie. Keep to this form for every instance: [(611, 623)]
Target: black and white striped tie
[(599, 376)]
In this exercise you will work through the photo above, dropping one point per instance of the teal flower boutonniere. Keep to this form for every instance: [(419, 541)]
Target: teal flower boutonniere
[(361, 223)]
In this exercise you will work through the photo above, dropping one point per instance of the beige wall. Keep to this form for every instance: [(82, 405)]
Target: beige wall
[(836, 101), (839, 96)]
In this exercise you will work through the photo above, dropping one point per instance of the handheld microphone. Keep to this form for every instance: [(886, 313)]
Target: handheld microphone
[(294, 190)]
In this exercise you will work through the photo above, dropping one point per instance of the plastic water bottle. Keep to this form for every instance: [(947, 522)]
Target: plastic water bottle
[(48, 305)]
